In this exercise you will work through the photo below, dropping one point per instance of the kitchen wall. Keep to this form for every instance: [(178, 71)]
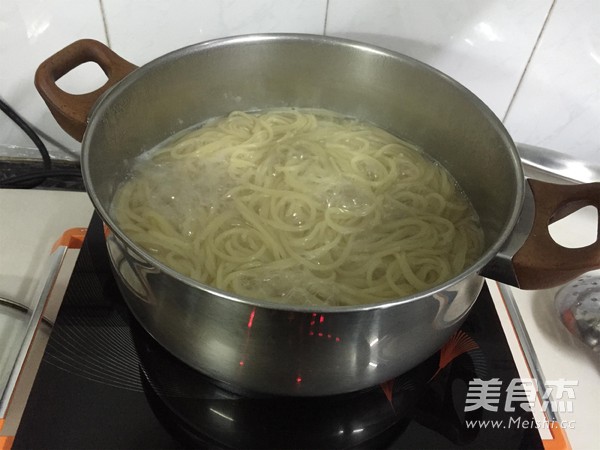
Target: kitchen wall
[(535, 63)]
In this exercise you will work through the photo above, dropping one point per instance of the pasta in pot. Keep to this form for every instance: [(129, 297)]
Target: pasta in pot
[(301, 207)]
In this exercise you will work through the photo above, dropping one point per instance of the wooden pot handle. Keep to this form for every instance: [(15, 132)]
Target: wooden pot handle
[(71, 111), (542, 263)]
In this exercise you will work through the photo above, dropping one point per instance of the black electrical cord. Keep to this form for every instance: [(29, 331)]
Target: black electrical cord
[(35, 178), (12, 114), (42, 175)]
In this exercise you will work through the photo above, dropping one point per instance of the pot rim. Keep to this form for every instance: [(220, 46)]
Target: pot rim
[(104, 102)]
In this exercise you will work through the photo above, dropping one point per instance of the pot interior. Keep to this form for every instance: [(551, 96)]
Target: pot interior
[(401, 95)]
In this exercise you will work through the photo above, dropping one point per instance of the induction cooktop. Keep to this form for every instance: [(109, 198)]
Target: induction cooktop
[(105, 383)]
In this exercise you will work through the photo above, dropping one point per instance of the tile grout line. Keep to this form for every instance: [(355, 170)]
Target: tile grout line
[(104, 23), (326, 15), (535, 46)]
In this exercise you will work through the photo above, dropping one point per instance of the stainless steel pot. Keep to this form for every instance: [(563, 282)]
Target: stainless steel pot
[(288, 350)]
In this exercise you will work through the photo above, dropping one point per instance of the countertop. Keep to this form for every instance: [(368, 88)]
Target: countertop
[(31, 222)]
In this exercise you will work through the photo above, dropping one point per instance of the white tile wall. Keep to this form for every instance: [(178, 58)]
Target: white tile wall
[(484, 45), (141, 30), (558, 103), (535, 63), (30, 31)]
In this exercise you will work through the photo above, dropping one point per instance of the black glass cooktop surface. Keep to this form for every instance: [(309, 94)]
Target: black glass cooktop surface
[(105, 383)]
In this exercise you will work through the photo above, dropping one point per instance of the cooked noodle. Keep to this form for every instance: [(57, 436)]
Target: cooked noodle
[(299, 207)]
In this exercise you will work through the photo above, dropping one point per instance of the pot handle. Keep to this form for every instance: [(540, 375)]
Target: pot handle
[(538, 262), (541, 262), (71, 111)]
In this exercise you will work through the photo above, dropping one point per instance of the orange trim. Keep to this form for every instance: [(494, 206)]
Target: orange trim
[(6, 442), (559, 438), (106, 231), (72, 238), (1, 423)]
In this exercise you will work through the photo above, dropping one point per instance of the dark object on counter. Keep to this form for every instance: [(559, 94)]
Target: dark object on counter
[(26, 173), (65, 175), (578, 304)]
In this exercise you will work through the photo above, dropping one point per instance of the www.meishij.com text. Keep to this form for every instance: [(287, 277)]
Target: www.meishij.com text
[(520, 423)]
